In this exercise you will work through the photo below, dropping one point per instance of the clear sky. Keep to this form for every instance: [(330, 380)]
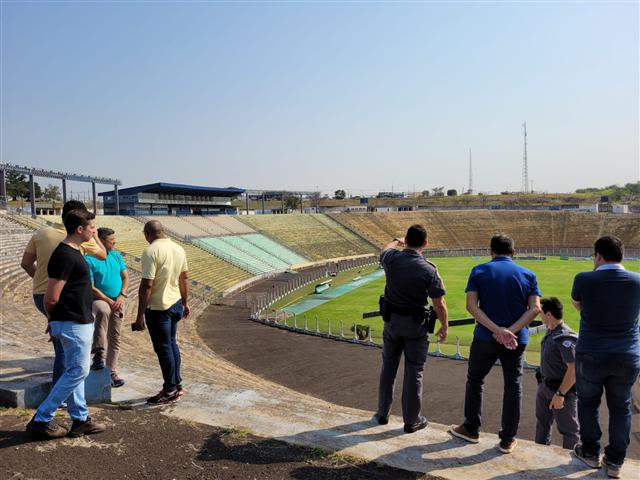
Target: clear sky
[(359, 96)]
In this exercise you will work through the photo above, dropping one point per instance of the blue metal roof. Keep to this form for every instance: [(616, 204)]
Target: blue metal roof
[(177, 189)]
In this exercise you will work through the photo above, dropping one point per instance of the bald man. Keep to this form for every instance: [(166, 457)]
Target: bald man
[(162, 303)]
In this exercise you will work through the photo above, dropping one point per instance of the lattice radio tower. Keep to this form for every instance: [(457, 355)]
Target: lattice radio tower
[(525, 165), (470, 191)]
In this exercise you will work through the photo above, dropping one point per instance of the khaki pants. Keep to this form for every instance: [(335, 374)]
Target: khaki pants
[(106, 335)]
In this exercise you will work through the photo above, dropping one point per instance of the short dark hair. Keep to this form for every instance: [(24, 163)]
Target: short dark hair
[(416, 236), (104, 232), (502, 244), (77, 218), (72, 205), (553, 305), (611, 248)]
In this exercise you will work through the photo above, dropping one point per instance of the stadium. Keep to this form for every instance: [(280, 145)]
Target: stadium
[(280, 299)]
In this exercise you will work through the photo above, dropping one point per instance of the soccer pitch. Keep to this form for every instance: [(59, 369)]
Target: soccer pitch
[(555, 278)]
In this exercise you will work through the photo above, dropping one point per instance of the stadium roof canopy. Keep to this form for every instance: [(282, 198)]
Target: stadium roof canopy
[(178, 189)]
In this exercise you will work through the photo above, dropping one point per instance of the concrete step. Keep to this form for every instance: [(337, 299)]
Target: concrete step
[(26, 383)]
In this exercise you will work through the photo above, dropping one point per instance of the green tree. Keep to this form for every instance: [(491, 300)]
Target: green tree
[(339, 195), (51, 192), (18, 186), (291, 202)]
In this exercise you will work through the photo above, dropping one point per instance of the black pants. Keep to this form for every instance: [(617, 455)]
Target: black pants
[(403, 335), (481, 359)]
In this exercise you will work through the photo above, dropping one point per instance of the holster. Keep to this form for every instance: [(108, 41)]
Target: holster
[(421, 315)]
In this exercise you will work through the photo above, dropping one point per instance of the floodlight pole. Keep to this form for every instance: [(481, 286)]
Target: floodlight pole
[(32, 192), (95, 200), (3, 186), (117, 198), (525, 166)]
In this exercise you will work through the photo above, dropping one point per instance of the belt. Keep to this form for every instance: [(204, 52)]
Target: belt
[(405, 310)]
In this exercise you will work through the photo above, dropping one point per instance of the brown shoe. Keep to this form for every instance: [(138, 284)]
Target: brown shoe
[(88, 427), (507, 447), (45, 430), (461, 431)]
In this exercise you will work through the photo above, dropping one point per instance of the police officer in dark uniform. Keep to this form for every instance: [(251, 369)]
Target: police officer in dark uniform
[(556, 396), (410, 280)]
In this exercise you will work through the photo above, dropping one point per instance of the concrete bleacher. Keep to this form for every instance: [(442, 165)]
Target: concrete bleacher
[(314, 236), (242, 254), (196, 226), (624, 227), (274, 248), (204, 268), (230, 224), (473, 228), (178, 226)]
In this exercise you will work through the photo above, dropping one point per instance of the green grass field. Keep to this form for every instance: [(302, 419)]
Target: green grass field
[(555, 278)]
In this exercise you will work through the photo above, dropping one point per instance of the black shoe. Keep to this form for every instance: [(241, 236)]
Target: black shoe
[(592, 461), (45, 430), (165, 397), (380, 419), (414, 427), (97, 365), (88, 427), (116, 381)]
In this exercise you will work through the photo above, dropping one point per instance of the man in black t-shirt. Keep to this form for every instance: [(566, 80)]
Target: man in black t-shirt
[(67, 303)]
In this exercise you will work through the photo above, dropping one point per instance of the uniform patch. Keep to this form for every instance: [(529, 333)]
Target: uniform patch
[(567, 344)]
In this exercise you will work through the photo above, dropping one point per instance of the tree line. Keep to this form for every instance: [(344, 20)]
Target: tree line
[(18, 187)]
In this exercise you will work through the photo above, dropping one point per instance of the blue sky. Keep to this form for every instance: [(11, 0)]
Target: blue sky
[(360, 96)]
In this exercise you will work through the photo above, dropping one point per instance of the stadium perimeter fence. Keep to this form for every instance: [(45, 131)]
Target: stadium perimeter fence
[(261, 313)]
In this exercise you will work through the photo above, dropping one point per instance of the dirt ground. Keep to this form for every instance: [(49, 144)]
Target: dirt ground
[(145, 444)]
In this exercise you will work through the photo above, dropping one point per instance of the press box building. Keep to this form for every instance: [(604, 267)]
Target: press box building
[(170, 199)]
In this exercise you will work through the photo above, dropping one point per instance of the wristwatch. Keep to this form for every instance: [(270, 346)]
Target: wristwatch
[(124, 295), (560, 394)]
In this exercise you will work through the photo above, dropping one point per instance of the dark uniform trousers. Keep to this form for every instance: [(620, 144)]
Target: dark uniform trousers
[(566, 418), (402, 334)]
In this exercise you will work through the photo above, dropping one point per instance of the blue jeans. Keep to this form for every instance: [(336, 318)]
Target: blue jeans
[(162, 326), (75, 339), (615, 373), (482, 358), (58, 362)]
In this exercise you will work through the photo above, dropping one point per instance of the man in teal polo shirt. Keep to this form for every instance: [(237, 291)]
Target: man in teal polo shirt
[(109, 280)]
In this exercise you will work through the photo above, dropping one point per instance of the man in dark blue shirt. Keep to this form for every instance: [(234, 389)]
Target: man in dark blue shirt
[(504, 298), (608, 353), (410, 280)]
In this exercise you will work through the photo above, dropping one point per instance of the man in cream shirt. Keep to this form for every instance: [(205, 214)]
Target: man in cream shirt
[(162, 302)]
